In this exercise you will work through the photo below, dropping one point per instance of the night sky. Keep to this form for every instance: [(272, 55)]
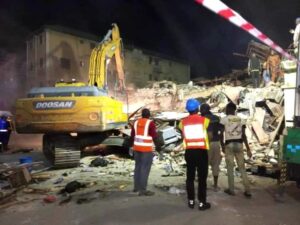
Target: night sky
[(179, 28)]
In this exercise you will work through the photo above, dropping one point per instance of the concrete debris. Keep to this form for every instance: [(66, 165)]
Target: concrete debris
[(176, 191), (261, 108)]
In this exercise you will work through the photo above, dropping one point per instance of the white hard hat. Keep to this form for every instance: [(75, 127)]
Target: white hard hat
[(297, 20)]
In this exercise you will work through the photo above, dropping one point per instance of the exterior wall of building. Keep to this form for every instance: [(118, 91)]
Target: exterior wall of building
[(36, 59), (68, 57), (53, 55), (59, 56), (142, 67)]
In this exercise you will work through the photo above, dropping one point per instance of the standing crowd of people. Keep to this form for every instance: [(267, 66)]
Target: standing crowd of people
[(206, 138)]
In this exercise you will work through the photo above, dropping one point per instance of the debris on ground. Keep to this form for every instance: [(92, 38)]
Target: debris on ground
[(176, 191), (99, 161), (50, 199), (72, 187), (261, 108), (95, 176)]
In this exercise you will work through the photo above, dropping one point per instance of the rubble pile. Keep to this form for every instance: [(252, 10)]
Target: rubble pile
[(261, 109), (163, 95)]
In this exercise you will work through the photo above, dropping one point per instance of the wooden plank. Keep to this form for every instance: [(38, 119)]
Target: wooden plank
[(275, 108), (263, 138), (274, 134), (260, 115)]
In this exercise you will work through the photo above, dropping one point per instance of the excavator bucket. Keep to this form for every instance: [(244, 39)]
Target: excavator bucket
[(110, 46)]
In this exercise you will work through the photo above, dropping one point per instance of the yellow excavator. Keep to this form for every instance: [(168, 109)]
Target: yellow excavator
[(73, 115)]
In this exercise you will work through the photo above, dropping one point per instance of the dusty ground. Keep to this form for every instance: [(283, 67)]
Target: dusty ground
[(25, 141), (115, 204)]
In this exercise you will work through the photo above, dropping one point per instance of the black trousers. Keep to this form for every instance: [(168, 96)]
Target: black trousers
[(196, 159)]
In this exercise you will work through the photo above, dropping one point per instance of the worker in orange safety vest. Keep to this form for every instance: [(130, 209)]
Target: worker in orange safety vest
[(143, 137), (196, 144)]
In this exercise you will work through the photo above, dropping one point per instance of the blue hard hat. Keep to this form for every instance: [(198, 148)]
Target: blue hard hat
[(192, 105)]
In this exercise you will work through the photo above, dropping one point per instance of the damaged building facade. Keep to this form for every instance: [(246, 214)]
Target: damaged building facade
[(56, 52)]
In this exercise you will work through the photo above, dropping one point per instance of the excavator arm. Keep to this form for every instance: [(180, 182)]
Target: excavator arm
[(110, 46)]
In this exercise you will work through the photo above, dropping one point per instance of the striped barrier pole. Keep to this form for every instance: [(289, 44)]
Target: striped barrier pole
[(224, 11)]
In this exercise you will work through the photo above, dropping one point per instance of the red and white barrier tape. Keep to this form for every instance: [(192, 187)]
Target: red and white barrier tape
[(223, 10)]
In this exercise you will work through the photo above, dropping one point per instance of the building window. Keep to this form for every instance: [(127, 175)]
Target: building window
[(41, 39), (65, 63), (41, 62), (150, 59), (156, 61), (81, 42), (92, 45)]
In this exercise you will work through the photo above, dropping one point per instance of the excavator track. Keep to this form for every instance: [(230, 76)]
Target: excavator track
[(61, 150), (64, 151), (66, 157)]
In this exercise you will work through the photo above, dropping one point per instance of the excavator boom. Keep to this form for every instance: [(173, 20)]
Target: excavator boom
[(110, 46)]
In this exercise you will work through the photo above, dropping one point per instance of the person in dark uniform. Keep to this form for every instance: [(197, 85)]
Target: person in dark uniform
[(196, 144), (5, 131), (214, 153)]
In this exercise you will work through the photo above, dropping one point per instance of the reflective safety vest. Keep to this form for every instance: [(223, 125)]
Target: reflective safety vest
[(142, 141), (194, 132)]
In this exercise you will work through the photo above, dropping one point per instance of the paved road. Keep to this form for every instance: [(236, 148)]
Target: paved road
[(122, 207), (163, 208)]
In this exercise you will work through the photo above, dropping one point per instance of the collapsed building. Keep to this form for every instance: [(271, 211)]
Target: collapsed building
[(262, 109)]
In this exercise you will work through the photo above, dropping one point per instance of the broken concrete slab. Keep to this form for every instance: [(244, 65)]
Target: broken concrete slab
[(233, 93)]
